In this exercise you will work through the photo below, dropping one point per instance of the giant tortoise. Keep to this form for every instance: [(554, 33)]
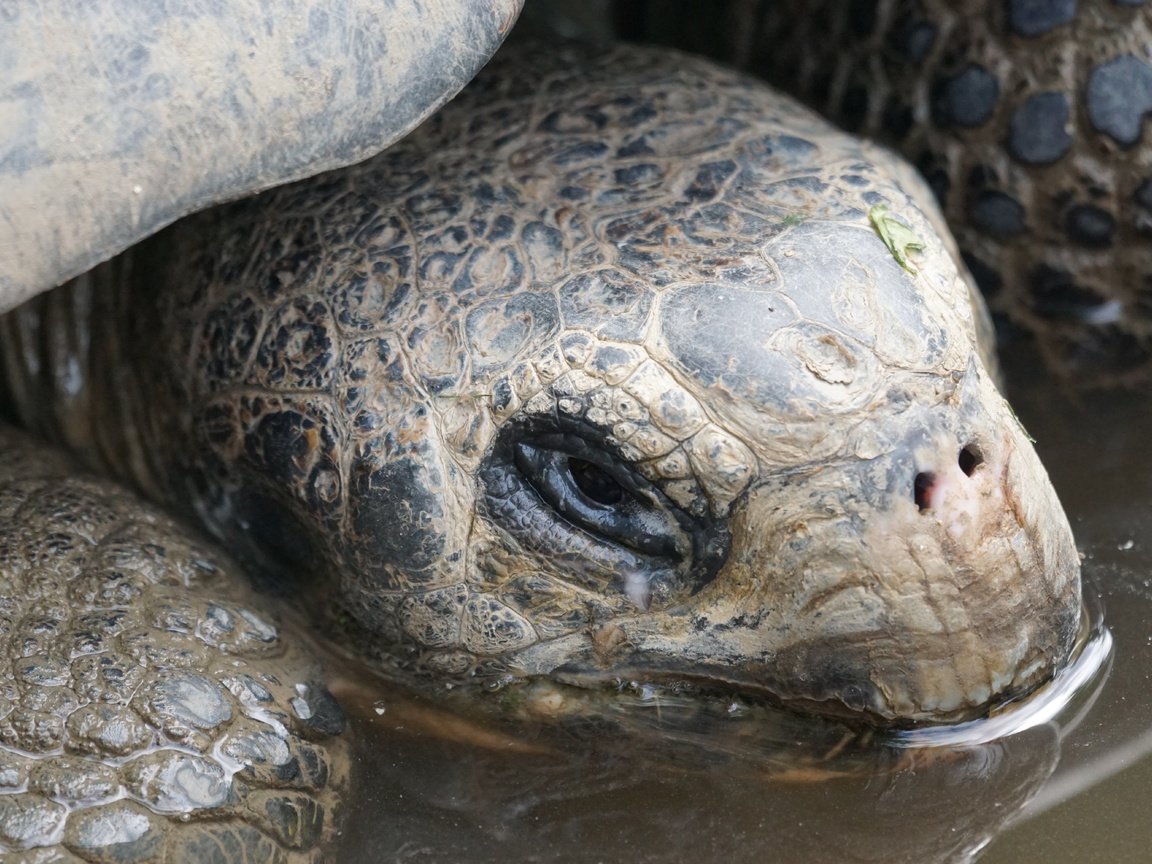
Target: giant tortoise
[(622, 365)]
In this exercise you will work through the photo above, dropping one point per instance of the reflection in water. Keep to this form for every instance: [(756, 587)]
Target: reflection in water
[(650, 777), (640, 787)]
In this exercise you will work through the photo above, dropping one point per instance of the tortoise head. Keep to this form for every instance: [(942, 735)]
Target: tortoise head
[(546, 413), (804, 485)]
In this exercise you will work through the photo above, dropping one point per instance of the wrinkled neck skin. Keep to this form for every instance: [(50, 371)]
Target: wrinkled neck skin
[(78, 367), (722, 440)]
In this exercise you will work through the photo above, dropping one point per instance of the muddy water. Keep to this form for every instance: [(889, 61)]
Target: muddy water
[(655, 778)]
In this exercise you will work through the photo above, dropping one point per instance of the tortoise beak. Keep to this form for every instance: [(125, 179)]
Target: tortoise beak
[(929, 612)]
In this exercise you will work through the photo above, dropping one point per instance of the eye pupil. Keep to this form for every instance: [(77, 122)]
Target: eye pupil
[(595, 482)]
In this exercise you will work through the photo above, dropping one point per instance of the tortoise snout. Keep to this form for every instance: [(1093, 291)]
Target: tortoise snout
[(958, 479), (953, 463), (924, 582)]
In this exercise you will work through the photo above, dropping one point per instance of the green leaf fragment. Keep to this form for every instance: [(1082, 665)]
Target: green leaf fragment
[(897, 236)]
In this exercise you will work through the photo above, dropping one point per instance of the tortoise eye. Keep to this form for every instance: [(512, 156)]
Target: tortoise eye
[(586, 514), (595, 482), (602, 498)]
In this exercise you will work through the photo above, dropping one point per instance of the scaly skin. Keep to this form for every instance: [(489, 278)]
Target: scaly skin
[(150, 707), (1028, 119), (604, 371)]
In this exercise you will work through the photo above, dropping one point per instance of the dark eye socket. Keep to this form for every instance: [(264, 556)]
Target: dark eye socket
[(561, 492), (602, 498)]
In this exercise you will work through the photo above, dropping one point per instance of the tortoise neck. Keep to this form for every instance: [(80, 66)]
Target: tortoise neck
[(64, 375)]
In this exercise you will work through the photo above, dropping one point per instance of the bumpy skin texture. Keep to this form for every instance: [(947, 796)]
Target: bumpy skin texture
[(150, 709), (120, 117), (1029, 120), (604, 371)]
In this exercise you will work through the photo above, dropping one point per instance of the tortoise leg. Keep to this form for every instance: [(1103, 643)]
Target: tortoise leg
[(150, 708)]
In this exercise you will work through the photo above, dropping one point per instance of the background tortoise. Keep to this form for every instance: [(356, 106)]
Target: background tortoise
[(1029, 120), (423, 621)]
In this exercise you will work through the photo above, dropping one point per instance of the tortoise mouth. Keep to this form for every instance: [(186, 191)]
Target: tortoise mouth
[(872, 678), (859, 703), (719, 682), (1060, 698)]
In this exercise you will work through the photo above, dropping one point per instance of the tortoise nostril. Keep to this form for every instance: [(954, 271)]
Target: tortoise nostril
[(922, 489), (970, 459)]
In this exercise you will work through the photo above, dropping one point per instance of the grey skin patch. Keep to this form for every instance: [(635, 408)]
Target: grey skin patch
[(718, 335), (13, 770), (605, 298), (29, 820), (967, 99), (1031, 18), (826, 269), (914, 39), (397, 505), (296, 821), (73, 778), (191, 698), (325, 716), (1039, 133), (102, 729), (1090, 226), (264, 755), (42, 671), (123, 832), (234, 841), (1056, 295), (175, 782), (1118, 95)]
